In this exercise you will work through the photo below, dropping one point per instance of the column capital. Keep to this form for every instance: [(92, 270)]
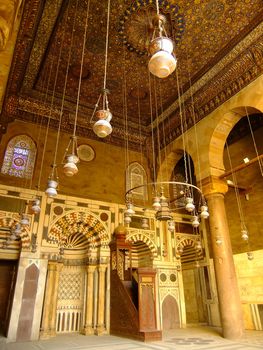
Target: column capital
[(213, 185), (90, 268), (55, 266), (102, 268)]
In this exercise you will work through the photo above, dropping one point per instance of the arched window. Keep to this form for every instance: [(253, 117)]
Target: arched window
[(19, 157), (136, 176)]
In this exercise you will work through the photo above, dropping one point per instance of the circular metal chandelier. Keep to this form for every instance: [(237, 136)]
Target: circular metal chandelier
[(168, 197)]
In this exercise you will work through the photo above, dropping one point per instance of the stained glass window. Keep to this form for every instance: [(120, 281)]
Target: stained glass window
[(19, 157)]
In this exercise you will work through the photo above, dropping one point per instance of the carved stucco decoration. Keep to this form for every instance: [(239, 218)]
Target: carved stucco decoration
[(219, 49)]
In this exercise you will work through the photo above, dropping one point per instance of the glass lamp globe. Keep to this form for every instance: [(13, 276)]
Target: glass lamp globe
[(145, 224), (24, 221), (102, 127), (189, 204), (51, 188), (171, 226), (219, 240), (195, 221), (204, 212), (13, 236), (70, 167), (162, 64), (156, 203), (250, 256), (127, 219), (129, 211), (180, 250), (198, 245), (36, 206), (17, 230), (244, 235)]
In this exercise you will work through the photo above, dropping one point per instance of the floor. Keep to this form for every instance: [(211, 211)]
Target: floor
[(205, 338)]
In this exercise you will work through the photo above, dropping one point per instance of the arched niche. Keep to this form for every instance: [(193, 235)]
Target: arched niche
[(170, 313)]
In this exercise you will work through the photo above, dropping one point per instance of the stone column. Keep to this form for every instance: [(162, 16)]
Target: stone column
[(227, 286), (48, 324), (100, 328), (88, 326)]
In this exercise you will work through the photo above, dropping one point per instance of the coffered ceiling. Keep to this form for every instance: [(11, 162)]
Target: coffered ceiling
[(218, 45)]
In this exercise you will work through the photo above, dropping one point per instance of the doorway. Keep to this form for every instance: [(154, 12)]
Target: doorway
[(8, 269)]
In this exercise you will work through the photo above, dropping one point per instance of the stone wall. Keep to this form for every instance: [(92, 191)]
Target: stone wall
[(102, 179), (250, 280)]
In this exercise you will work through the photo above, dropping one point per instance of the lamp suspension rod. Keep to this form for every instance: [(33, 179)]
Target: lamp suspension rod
[(254, 142), (151, 112), (126, 134), (241, 215), (182, 128), (65, 82), (159, 21), (157, 7), (45, 139), (157, 128), (163, 132), (38, 115), (52, 102), (80, 73), (194, 121), (106, 50), (139, 119)]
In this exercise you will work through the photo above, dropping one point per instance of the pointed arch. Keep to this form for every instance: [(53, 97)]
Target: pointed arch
[(170, 312), (20, 156)]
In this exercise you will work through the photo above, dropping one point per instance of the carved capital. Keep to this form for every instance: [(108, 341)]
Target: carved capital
[(212, 185), (90, 269)]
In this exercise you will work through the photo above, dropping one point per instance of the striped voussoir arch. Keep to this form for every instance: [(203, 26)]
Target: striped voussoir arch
[(80, 223), (139, 236), (7, 221), (190, 242), (188, 252)]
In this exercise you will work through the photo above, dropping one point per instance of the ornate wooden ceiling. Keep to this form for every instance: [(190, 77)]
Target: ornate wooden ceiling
[(219, 47)]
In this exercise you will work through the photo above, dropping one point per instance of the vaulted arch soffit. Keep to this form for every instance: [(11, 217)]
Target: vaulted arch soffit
[(221, 132)]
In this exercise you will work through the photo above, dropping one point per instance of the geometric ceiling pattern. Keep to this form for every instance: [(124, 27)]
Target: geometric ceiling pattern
[(218, 45)]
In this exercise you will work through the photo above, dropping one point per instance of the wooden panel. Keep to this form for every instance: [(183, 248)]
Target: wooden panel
[(147, 307), (7, 277), (170, 313)]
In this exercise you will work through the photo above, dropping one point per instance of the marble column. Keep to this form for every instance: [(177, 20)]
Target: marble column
[(100, 328), (227, 286), (48, 324), (88, 326)]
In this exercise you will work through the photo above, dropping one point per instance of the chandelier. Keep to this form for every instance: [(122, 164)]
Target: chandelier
[(168, 197)]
